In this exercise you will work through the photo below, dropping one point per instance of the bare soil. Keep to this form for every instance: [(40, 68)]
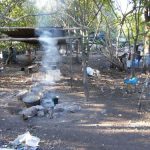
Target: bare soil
[(108, 121)]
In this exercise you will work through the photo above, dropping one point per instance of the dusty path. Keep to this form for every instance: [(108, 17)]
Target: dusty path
[(108, 121)]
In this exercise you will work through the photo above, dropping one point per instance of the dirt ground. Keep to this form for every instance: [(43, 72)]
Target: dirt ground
[(108, 121)]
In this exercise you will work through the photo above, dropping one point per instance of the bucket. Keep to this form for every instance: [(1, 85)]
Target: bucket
[(55, 100)]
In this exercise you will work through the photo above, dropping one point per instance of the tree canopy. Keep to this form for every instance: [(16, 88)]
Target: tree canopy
[(96, 15)]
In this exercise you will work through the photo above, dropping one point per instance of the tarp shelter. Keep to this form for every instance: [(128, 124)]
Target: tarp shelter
[(31, 35)]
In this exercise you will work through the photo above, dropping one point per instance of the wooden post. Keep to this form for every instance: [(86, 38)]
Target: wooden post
[(71, 68), (77, 47), (84, 66), (71, 72)]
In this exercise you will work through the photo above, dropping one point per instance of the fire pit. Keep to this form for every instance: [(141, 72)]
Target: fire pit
[(35, 97), (30, 99)]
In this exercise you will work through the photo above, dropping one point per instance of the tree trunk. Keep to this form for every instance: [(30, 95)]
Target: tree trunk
[(146, 66), (84, 66), (85, 80)]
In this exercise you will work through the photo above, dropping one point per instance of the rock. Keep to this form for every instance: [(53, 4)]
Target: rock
[(39, 107), (21, 94), (50, 113), (56, 109), (68, 107), (33, 111), (73, 108), (29, 112), (41, 113)]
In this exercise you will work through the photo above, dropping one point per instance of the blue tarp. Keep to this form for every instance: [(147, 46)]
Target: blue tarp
[(132, 81)]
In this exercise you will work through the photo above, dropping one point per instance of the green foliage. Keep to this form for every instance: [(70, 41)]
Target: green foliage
[(97, 15), (12, 13), (130, 28)]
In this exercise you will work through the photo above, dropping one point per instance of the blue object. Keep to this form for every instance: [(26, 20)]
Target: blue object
[(135, 63), (101, 36), (132, 81)]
